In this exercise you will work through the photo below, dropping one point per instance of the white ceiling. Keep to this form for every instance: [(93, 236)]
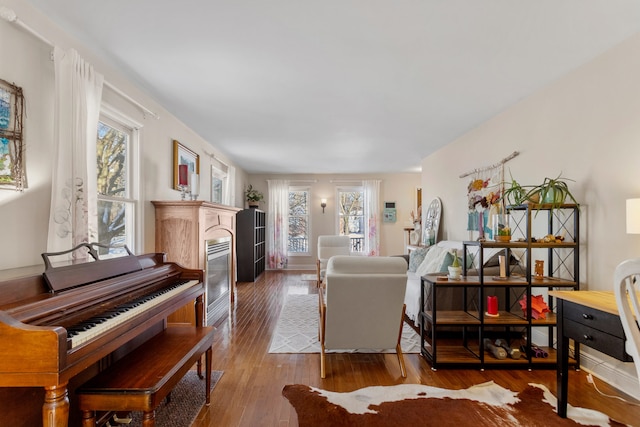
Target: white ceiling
[(342, 86)]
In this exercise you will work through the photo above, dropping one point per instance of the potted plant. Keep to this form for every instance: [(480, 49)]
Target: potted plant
[(253, 196), (552, 191), (501, 227), (455, 269)]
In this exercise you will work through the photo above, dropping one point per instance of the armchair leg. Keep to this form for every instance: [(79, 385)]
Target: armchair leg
[(403, 369), (322, 363)]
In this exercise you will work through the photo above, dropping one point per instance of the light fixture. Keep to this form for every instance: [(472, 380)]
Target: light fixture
[(323, 204), (633, 216)]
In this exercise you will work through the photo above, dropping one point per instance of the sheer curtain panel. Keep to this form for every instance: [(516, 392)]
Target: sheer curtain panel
[(78, 92), (278, 224), (372, 216)]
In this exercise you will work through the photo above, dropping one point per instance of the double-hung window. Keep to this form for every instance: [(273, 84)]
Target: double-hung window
[(299, 225), (117, 183), (351, 216)]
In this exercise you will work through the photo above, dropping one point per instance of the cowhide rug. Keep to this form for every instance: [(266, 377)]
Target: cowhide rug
[(486, 404)]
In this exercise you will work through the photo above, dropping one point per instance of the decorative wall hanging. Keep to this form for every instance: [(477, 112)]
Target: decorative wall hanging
[(484, 194), (12, 173)]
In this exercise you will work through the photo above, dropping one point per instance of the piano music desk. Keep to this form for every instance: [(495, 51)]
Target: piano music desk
[(143, 378)]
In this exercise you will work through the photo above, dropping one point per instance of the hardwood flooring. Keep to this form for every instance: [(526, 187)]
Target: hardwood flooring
[(250, 391)]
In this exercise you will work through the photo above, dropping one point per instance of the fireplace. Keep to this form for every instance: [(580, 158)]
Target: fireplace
[(218, 278)]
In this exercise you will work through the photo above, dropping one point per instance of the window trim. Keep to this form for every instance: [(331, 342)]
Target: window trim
[(346, 189), (134, 167), (306, 188)]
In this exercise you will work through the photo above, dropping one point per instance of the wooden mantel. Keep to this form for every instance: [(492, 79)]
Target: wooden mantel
[(182, 229)]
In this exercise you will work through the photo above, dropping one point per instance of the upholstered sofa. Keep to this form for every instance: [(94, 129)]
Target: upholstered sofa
[(437, 259)]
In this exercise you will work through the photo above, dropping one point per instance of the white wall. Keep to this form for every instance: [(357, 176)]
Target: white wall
[(26, 62), (399, 188), (587, 126)]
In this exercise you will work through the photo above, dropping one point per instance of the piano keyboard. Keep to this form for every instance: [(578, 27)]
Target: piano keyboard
[(97, 325)]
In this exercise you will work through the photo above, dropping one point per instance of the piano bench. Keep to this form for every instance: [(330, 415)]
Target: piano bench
[(143, 378)]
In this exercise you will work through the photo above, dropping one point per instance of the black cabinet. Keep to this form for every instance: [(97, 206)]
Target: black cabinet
[(250, 244)]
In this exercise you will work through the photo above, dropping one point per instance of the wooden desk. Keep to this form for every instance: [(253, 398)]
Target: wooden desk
[(590, 318)]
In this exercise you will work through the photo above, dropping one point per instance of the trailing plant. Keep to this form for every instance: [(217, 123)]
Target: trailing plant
[(553, 192)]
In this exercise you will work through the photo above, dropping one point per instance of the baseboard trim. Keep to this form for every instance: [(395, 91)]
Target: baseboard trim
[(607, 372), (605, 368)]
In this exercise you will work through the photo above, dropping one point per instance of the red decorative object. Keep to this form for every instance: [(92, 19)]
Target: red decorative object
[(183, 175), (538, 306), (492, 305)]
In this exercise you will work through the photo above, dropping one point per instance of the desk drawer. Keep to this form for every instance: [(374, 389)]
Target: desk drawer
[(598, 340), (594, 319)]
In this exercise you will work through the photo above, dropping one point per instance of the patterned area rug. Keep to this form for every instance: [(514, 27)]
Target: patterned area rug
[(187, 398), (485, 404), (297, 329)]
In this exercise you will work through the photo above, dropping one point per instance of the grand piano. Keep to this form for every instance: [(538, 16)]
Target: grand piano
[(70, 322)]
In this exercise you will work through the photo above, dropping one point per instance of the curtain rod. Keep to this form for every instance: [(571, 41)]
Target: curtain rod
[(10, 16), (493, 166), (304, 181)]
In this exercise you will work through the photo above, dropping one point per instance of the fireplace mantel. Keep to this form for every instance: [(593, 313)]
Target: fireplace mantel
[(182, 229)]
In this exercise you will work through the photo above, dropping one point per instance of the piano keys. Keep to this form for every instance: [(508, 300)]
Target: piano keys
[(71, 318)]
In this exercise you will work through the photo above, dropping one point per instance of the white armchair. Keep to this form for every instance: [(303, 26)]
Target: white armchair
[(329, 246), (627, 301), (362, 306)]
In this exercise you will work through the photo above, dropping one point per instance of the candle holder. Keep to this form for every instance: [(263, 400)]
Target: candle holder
[(183, 191)]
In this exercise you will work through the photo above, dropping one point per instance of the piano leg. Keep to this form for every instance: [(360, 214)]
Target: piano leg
[(88, 419), (55, 411)]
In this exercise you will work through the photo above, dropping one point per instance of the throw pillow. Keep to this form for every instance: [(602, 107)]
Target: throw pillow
[(416, 257), (446, 263)]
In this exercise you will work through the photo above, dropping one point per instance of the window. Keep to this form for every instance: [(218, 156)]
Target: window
[(298, 221), (351, 216), (116, 184), (218, 182)]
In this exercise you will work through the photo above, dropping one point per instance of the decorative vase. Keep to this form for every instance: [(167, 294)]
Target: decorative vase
[(501, 227), (455, 272)]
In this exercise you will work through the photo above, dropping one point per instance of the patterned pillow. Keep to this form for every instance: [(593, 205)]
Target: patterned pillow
[(416, 257)]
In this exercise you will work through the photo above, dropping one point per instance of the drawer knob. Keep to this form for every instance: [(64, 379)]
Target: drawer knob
[(588, 337), (587, 316)]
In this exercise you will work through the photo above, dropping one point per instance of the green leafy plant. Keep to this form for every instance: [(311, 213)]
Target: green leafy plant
[(456, 260), (253, 195), (553, 192)]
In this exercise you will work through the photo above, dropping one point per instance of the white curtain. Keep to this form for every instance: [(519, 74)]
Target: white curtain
[(229, 193), (278, 224), (78, 92), (372, 211)]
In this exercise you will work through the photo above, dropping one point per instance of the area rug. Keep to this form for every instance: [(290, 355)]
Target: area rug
[(297, 329), (486, 404), (187, 398), (313, 277)]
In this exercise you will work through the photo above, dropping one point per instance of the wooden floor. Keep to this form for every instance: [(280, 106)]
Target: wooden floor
[(249, 393)]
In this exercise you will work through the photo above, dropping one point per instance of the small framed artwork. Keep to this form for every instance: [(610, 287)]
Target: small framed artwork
[(185, 163), (12, 172)]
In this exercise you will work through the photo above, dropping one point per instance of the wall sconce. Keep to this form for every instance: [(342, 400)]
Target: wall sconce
[(633, 216), (323, 204)]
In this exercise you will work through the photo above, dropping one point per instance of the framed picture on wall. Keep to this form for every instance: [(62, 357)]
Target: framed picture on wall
[(185, 163)]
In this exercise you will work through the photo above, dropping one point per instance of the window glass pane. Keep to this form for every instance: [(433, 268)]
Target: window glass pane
[(298, 221), (115, 220), (112, 225), (351, 217), (111, 152)]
